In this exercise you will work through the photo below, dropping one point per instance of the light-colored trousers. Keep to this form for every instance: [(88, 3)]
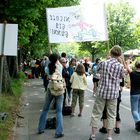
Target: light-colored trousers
[(111, 105)]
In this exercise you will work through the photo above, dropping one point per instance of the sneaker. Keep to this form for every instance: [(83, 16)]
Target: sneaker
[(94, 94), (92, 137), (117, 130), (103, 130), (40, 132), (137, 126), (109, 138), (59, 135), (72, 115), (79, 115)]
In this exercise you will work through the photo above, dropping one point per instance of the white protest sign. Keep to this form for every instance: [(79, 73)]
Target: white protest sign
[(10, 36), (77, 24)]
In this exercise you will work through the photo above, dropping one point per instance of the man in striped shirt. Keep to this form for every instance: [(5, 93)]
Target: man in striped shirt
[(111, 71)]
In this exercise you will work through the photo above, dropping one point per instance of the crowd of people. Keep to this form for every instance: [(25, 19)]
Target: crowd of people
[(108, 81)]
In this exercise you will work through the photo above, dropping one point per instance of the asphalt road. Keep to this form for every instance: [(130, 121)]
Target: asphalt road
[(75, 128)]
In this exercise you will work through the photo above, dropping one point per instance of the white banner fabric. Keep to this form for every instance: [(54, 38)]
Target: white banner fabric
[(77, 24)]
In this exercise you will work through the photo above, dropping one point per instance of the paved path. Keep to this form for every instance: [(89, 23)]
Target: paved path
[(75, 128)]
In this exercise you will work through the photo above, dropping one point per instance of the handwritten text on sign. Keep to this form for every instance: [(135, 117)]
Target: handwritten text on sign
[(69, 24)]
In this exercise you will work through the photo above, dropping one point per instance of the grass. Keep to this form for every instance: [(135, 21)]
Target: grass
[(10, 104)]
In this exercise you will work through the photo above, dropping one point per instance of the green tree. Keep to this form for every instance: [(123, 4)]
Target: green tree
[(70, 48), (120, 21), (137, 32), (96, 49), (120, 17), (30, 15)]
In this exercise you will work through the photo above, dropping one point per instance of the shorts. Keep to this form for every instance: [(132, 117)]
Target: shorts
[(95, 80)]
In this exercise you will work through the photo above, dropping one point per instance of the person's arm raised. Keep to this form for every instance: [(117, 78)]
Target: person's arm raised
[(125, 64)]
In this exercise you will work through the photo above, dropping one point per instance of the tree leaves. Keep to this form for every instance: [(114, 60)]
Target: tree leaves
[(120, 19)]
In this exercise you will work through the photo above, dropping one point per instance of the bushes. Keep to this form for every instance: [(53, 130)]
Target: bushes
[(10, 104)]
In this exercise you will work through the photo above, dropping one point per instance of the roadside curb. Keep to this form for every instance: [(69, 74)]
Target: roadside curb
[(20, 129)]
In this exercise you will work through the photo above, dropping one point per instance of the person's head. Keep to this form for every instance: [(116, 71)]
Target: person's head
[(116, 51), (54, 57), (80, 69), (63, 61), (63, 54), (97, 60), (45, 58), (137, 64), (53, 60), (72, 62), (86, 60)]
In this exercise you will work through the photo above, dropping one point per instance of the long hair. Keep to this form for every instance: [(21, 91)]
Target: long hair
[(53, 59), (73, 59), (80, 70)]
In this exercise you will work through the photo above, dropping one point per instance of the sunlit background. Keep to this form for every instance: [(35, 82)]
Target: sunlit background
[(134, 3)]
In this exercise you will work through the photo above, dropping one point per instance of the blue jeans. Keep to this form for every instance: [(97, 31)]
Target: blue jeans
[(44, 113), (135, 107)]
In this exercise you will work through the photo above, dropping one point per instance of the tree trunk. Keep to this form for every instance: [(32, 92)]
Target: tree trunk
[(13, 66), (6, 82), (93, 57)]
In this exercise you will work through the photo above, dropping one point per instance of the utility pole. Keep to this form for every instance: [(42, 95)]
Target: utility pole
[(2, 53), (5, 3)]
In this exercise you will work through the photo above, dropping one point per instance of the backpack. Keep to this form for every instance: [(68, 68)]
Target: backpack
[(57, 84), (51, 123), (67, 110)]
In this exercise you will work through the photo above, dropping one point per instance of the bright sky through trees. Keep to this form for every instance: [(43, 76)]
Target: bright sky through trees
[(135, 3)]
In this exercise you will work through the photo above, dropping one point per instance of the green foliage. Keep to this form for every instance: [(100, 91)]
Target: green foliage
[(30, 15), (137, 32), (17, 84), (10, 104), (121, 30), (21, 76), (138, 58), (70, 48), (96, 49), (120, 25), (7, 104)]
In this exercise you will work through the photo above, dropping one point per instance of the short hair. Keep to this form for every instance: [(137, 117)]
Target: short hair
[(63, 59), (80, 69), (63, 54), (137, 64), (97, 60), (116, 51)]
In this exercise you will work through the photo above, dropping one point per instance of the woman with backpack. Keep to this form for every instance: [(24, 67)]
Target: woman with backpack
[(53, 66)]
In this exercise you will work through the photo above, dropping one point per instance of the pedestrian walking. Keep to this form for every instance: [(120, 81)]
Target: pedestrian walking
[(32, 65), (118, 119), (66, 76), (135, 93), (79, 85), (71, 69), (111, 71), (96, 76), (87, 66)]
